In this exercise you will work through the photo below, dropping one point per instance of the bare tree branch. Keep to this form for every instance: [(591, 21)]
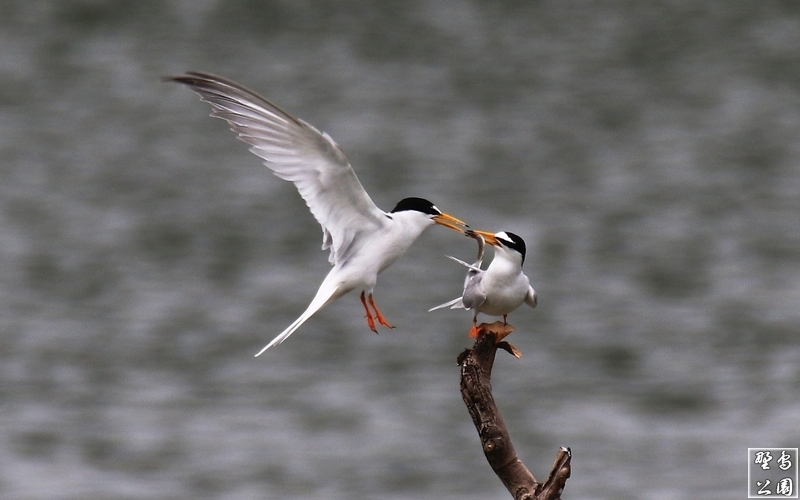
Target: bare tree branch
[(476, 390)]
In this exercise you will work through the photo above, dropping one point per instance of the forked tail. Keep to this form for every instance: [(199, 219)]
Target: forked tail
[(453, 304), (325, 295), (457, 303), (476, 267)]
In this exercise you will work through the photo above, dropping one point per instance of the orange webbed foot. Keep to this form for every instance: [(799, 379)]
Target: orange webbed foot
[(378, 314), (370, 321), (499, 328)]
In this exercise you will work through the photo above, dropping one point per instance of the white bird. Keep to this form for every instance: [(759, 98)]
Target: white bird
[(363, 239), (502, 287)]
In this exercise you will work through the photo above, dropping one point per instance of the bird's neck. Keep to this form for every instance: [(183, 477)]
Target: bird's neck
[(502, 265), (411, 224)]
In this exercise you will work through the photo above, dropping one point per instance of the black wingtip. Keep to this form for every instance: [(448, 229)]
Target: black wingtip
[(188, 77), (184, 78)]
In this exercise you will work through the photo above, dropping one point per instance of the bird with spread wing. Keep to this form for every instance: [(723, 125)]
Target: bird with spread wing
[(363, 239)]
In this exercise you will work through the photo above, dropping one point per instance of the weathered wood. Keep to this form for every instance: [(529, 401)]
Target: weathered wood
[(476, 390)]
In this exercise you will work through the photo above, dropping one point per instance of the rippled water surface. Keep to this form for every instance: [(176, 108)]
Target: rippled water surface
[(647, 152)]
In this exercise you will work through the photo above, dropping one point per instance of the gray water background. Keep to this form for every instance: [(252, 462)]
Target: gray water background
[(647, 152)]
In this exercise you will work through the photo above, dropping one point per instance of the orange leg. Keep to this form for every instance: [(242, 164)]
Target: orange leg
[(370, 322), (474, 331), (378, 314)]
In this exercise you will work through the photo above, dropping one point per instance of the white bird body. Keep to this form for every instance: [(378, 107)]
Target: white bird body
[(499, 289), (363, 240), (360, 269)]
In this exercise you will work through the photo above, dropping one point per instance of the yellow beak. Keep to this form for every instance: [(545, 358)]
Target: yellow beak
[(447, 220), (488, 237)]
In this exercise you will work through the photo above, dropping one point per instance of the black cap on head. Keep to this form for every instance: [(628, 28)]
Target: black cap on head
[(418, 204), (512, 241)]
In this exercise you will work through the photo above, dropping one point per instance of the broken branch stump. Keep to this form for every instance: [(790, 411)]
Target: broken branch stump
[(476, 390)]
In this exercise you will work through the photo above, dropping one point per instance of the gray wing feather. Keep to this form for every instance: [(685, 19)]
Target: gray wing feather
[(473, 295), (297, 152), (531, 299)]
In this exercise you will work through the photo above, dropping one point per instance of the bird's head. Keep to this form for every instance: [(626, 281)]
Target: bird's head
[(509, 243), (429, 211)]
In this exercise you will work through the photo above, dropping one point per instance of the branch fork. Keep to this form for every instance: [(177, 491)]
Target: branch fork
[(476, 391)]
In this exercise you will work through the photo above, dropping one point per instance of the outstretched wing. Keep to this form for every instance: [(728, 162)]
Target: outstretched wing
[(297, 152)]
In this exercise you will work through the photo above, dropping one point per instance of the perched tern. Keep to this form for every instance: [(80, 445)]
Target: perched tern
[(363, 239), (502, 287)]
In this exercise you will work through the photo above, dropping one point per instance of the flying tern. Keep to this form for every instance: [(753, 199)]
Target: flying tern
[(499, 289), (363, 239)]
